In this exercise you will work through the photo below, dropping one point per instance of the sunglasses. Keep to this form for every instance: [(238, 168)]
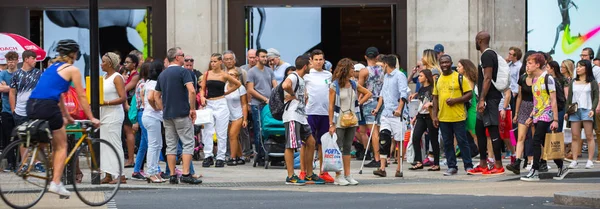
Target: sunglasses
[(189, 60)]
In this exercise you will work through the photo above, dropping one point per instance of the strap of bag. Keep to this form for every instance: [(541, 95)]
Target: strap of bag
[(287, 104)]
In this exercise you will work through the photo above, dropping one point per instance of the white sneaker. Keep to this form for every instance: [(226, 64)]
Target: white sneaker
[(58, 189), (351, 180), (573, 165), (589, 164), (340, 180)]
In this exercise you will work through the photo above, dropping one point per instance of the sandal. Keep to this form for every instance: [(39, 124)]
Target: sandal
[(434, 168), (130, 165), (78, 177), (417, 166), (107, 179), (122, 179)]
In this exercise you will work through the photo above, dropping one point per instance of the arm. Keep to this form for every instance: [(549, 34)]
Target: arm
[(487, 82), (255, 93), (507, 95), (131, 85), (273, 83), (120, 85), (518, 105), (362, 77), (366, 94), (287, 87), (235, 83), (191, 96), (12, 99), (554, 125), (153, 103), (157, 97), (244, 100), (436, 108), (595, 92), (332, 96)]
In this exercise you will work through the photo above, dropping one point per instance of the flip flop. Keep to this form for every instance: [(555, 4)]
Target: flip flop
[(130, 166)]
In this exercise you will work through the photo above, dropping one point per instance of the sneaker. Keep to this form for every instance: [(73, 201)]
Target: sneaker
[(451, 172), (9, 168), (544, 167), (302, 175), (137, 176), (373, 164), (379, 173), (39, 167), (58, 189), (573, 165), (560, 175), (220, 164), (143, 174), (326, 177), (588, 165), (477, 170), (231, 162), (314, 179), (173, 180), (240, 161), (340, 180), (532, 176), (190, 180), (494, 171), (351, 180), (208, 162), (515, 167), (294, 180)]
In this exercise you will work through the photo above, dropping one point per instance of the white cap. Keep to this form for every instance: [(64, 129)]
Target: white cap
[(358, 67)]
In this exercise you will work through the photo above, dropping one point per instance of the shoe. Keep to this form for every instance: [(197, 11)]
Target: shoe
[(373, 164), (9, 168), (163, 175), (260, 164), (451, 172), (208, 162), (351, 180), (379, 173), (138, 177), (294, 180), (573, 165), (154, 179), (588, 165), (122, 179), (544, 167), (231, 162), (532, 176), (477, 170), (143, 174), (302, 175), (399, 174), (59, 189), (173, 180), (568, 159), (190, 180), (314, 179), (220, 164), (240, 161), (513, 159), (39, 167), (515, 167), (326, 177), (525, 163), (494, 171), (340, 180), (277, 163), (562, 172)]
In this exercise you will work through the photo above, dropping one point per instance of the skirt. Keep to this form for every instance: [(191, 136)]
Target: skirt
[(524, 111), (111, 120)]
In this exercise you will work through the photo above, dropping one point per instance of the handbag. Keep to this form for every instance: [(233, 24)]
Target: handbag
[(572, 109), (348, 119), (204, 116)]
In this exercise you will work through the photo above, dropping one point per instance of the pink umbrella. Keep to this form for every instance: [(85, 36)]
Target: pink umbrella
[(13, 42)]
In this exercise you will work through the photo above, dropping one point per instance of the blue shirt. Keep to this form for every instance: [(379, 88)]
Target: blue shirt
[(395, 87), (171, 83), (6, 77)]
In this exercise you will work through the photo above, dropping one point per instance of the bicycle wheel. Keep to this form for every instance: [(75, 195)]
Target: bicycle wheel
[(89, 171), (21, 187)]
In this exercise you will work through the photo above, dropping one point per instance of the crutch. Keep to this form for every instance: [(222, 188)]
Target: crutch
[(412, 112), (367, 147)]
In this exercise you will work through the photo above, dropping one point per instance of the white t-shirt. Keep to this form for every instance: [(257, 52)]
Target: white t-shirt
[(234, 103), (317, 87), (148, 110), (296, 110), (596, 71)]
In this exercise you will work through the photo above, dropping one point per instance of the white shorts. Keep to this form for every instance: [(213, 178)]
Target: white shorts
[(394, 125)]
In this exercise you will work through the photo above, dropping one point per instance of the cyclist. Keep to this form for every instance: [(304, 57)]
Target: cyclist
[(47, 103)]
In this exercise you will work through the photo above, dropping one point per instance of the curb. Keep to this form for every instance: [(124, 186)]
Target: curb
[(579, 198), (571, 175)]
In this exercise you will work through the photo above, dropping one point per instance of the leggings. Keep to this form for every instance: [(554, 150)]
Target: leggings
[(422, 123), (482, 140), (539, 137)]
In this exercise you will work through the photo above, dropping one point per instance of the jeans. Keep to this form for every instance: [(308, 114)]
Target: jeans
[(153, 144), (143, 147), (256, 129), (458, 130), (539, 137)]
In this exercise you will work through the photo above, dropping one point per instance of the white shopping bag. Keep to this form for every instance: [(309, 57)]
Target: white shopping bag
[(332, 156), (204, 116), (568, 135)]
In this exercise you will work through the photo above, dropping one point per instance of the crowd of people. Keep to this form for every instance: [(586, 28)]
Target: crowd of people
[(461, 110)]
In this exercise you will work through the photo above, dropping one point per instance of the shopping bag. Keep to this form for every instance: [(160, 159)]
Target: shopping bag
[(73, 105), (513, 140), (554, 146), (568, 135), (332, 156), (132, 113), (204, 116)]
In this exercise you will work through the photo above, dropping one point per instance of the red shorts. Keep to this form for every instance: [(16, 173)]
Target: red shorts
[(504, 127)]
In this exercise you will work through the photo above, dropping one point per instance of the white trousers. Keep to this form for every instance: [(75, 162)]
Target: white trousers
[(221, 125), (153, 127)]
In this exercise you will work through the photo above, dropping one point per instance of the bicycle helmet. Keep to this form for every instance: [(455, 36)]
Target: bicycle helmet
[(67, 46)]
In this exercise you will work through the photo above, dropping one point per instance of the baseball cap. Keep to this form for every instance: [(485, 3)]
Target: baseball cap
[(438, 48), (271, 52), (372, 52), (358, 67)]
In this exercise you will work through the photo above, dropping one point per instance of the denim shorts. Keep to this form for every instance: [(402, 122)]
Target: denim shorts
[(581, 115), (368, 117)]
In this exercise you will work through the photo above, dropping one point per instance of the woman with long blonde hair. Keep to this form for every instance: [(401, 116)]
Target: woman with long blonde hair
[(430, 61)]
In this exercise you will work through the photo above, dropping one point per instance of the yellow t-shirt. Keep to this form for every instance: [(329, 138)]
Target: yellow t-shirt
[(445, 88)]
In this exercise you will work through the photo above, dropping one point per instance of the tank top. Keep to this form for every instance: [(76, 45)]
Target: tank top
[(131, 92), (215, 88), (51, 85), (374, 82), (527, 94), (110, 90)]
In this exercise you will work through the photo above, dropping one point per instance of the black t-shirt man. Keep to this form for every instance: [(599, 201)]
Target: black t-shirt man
[(488, 59)]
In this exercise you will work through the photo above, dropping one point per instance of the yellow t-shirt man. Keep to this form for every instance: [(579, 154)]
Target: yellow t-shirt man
[(447, 87)]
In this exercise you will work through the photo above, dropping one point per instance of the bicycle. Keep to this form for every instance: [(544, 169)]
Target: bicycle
[(87, 189)]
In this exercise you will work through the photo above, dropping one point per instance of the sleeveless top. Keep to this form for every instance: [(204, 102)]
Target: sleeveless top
[(110, 90), (130, 93), (50, 85), (215, 88), (375, 81)]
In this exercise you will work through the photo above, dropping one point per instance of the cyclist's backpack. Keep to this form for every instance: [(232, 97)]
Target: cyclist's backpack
[(560, 93), (33, 131), (502, 81), (277, 103)]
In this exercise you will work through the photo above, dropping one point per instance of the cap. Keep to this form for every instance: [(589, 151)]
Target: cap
[(328, 65), (358, 67), (271, 52), (438, 48), (372, 52)]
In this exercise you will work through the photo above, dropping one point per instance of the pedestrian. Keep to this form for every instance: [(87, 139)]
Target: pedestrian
[(8, 123), (152, 118), (524, 106), (138, 172), (343, 100), (237, 103), (371, 78), (176, 94), (278, 65), (132, 77)]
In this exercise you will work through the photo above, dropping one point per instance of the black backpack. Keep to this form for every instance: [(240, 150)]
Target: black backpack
[(33, 131), (277, 103), (560, 93)]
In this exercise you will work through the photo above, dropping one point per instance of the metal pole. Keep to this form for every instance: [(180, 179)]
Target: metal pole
[(94, 79)]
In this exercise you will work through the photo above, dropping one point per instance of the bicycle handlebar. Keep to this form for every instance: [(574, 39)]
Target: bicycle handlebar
[(88, 123)]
